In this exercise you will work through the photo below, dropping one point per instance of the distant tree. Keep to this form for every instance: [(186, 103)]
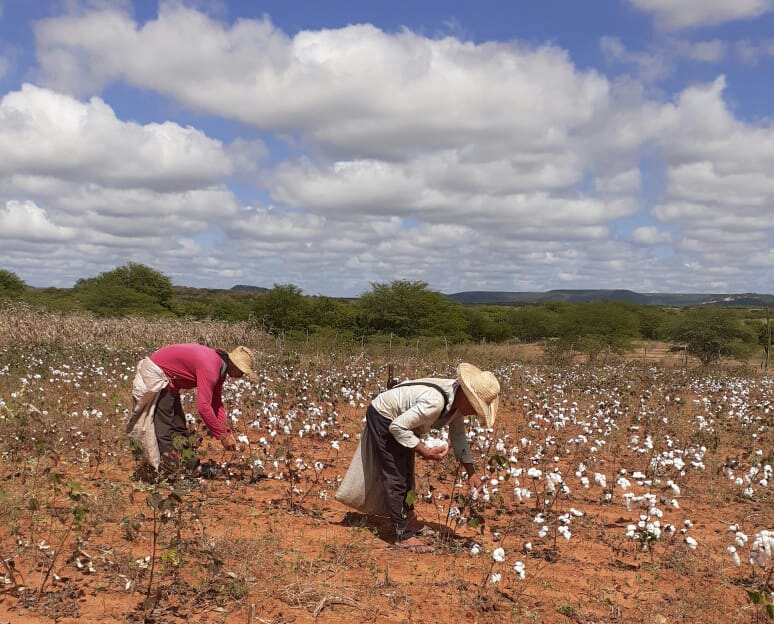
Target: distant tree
[(601, 324), (408, 309), (281, 308), (11, 285), (533, 323), (486, 323), (130, 289), (711, 333), (654, 322), (331, 313)]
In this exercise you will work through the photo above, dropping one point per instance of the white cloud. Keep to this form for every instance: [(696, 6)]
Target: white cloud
[(30, 222), (50, 134), (649, 66), (468, 165), (707, 51), (678, 14), (650, 235), (624, 183), (355, 87), (751, 52)]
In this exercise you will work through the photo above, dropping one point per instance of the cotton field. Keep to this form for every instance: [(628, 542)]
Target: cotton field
[(614, 492)]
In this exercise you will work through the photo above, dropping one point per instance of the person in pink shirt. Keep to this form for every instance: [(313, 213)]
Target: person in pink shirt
[(189, 366)]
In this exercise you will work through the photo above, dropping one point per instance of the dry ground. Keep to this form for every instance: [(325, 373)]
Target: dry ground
[(246, 540)]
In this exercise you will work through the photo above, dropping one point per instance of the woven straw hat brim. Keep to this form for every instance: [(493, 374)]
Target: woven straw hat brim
[(482, 390), (244, 360)]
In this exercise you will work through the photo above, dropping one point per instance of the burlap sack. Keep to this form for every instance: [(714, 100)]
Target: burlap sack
[(148, 383), (361, 487)]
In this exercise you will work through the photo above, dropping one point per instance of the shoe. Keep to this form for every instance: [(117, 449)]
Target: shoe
[(412, 544)]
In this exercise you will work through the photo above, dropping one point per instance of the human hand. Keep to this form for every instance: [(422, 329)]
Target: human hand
[(228, 442), (474, 481), (436, 453)]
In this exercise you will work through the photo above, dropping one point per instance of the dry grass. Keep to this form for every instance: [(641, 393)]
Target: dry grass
[(64, 383)]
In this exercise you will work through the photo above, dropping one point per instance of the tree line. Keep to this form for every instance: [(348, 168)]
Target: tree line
[(404, 310)]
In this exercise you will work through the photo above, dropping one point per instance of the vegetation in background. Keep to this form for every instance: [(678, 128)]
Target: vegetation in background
[(404, 313), (11, 285)]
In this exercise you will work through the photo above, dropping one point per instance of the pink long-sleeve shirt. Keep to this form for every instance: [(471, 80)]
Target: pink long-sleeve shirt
[(196, 366)]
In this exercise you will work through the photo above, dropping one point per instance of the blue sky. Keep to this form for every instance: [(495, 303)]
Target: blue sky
[(487, 146)]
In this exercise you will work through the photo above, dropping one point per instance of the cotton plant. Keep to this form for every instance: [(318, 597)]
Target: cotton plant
[(761, 553), (499, 557)]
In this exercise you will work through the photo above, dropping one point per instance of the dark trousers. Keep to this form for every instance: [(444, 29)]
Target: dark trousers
[(174, 439), (396, 464)]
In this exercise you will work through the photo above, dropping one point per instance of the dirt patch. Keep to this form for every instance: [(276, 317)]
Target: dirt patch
[(265, 531)]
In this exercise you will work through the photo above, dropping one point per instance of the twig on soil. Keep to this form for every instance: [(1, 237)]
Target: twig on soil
[(331, 600)]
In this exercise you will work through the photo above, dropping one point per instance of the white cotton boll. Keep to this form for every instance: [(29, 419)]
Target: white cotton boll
[(600, 479), (740, 539), (623, 483), (495, 578), (475, 550), (691, 542), (519, 569), (431, 442), (575, 512), (543, 531), (631, 531), (527, 547), (734, 556), (761, 549), (733, 528), (243, 439), (585, 482), (687, 523), (674, 487), (498, 555)]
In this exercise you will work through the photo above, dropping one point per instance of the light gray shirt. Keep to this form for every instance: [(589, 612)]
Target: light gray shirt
[(415, 410)]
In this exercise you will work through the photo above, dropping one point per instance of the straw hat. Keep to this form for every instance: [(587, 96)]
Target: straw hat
[(244, 360), (482, 390)]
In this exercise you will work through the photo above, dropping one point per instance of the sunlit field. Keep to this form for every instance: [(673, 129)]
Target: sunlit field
[(625, 490)]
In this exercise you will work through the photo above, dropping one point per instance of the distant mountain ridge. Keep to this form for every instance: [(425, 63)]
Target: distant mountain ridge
[(483, 297)]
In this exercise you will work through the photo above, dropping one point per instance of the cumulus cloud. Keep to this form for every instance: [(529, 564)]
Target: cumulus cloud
[(492, 165), (28, 221), (650, 235), (46, 133), (355, 87), (672, 15)]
